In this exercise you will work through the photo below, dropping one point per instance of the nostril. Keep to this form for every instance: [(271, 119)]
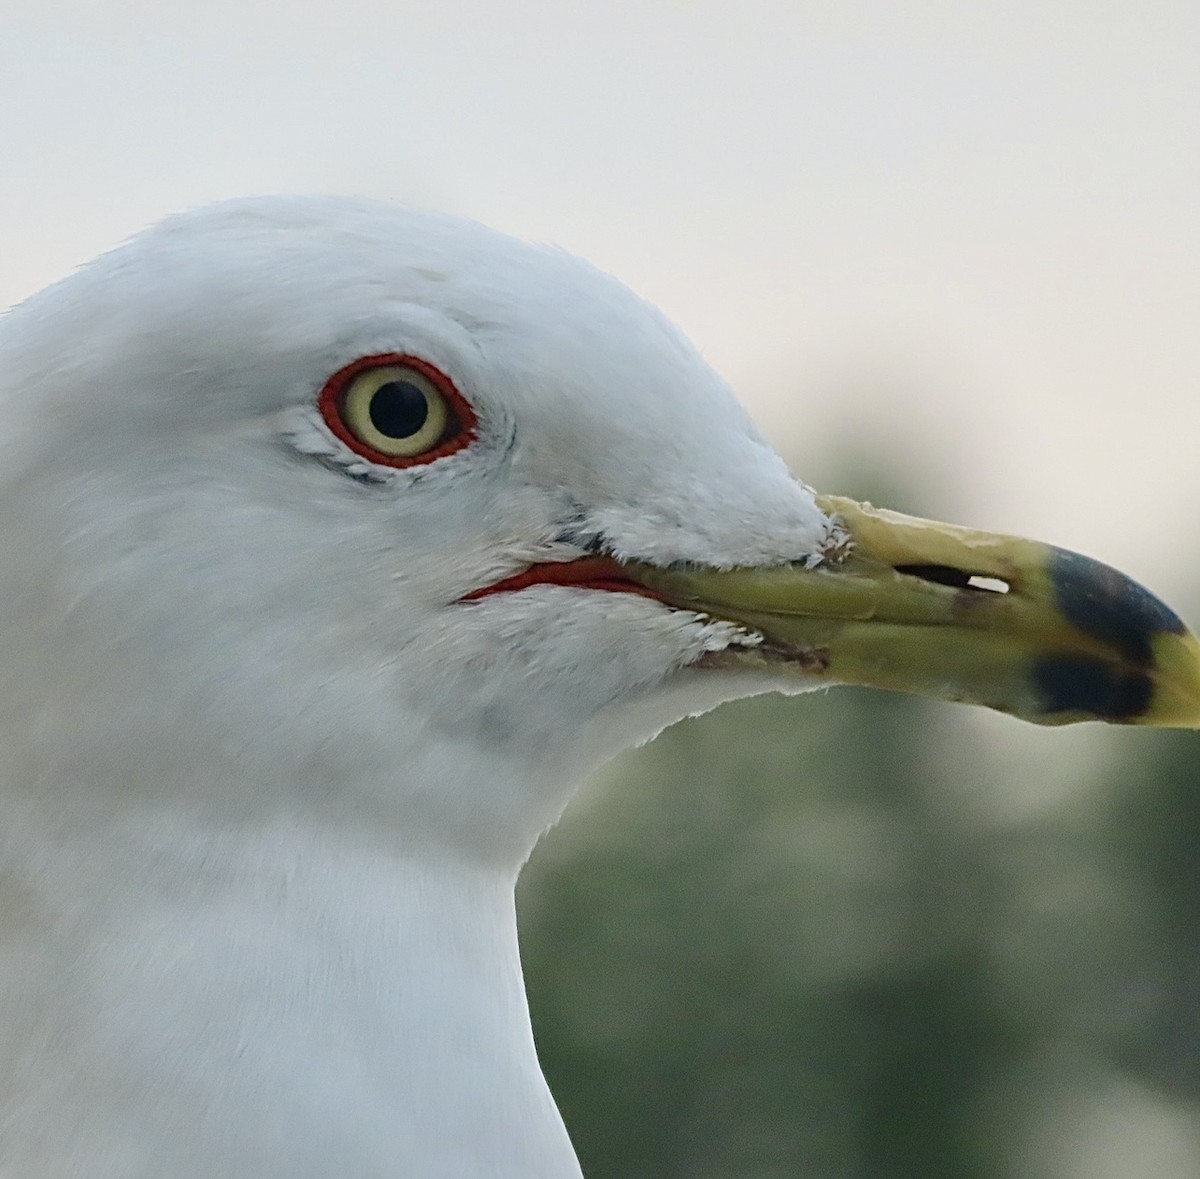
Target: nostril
[(956, 578), (991, 585)]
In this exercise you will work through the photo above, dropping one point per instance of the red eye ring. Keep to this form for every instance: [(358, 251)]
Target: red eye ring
[(461, 424)]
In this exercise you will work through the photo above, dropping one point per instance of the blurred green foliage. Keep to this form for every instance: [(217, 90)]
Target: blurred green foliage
[(784, 940)]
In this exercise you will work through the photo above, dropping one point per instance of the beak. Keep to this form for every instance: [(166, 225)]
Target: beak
[(937, 610)]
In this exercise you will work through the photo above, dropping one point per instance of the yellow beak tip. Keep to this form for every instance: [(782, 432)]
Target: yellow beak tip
[(1154, 679)]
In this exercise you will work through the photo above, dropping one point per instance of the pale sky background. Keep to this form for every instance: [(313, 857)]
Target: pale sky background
[(963, 239), (957, 240)]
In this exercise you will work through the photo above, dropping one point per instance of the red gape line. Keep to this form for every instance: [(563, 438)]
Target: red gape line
[(595, 573)]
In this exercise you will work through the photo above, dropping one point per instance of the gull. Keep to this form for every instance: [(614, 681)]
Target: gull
[(339, 542)]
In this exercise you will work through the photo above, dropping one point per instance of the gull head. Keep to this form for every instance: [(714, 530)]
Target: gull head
[(217, 548), (425, 520)]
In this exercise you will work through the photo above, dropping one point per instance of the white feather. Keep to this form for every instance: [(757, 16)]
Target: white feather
[(267, 783)]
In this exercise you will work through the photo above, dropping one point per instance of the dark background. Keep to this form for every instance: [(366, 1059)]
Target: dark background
[(795, 938)]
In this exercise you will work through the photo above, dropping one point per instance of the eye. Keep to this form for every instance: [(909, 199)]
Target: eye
[(396, 410)]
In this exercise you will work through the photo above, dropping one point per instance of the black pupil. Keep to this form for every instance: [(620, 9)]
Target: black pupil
[(398, 409)]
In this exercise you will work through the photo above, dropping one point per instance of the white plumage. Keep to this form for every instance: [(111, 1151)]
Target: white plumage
[(267, 782), (278, 727)]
